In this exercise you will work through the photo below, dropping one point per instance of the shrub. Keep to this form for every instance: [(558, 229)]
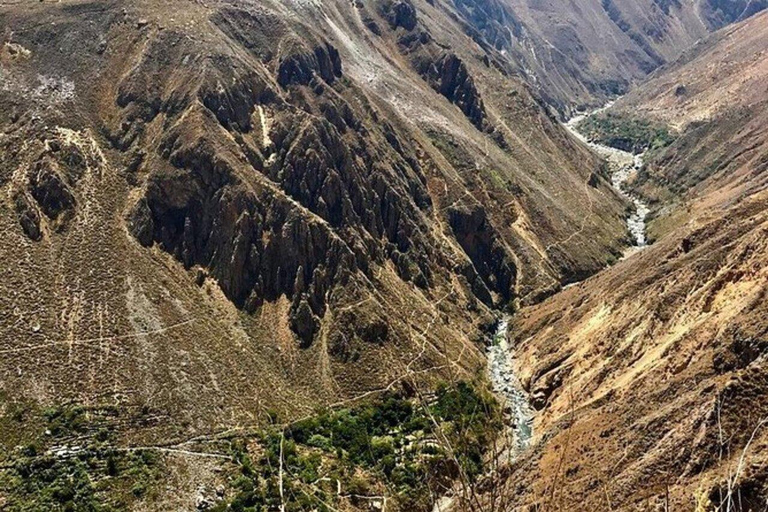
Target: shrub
[(379, 444), (625, 132)]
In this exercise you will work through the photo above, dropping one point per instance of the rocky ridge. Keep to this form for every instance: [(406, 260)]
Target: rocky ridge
[(313, 193)]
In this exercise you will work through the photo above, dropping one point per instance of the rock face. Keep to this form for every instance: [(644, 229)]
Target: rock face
[(449, 76), (304, 323), (400, 13), (220, 210), (300, 68), (444, 70), (472, 230), (205, 212), (49, 190)]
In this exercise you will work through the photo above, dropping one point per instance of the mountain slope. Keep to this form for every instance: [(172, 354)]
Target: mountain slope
[(715, 97), (651, 375), (584, 52), (225, 209)]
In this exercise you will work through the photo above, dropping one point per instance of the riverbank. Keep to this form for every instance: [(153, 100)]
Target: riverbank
[(622, 165), (506, 385)]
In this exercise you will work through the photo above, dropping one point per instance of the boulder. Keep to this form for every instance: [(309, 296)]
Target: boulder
[(304, 323), (50, 190), (29, 217), (140, 223), (401, 13)]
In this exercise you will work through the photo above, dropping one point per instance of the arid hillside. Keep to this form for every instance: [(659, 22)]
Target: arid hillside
[(715, 98), (215, 214), (584, 52), (716, 76), (650, 377)]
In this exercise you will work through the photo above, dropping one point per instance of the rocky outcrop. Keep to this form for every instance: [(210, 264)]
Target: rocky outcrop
[(445, 72), (29, 217), (49, 187), (50, 190), (546, 382), (449, 76), (234, 105), (254, 242), (480, 241), (400, 13), (299, 66), (141, 222), (304, 323)]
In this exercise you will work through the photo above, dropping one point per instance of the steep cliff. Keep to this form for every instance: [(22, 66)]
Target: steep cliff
[(219, 210)]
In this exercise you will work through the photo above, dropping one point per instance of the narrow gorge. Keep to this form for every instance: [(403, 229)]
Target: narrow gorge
[(515, 400), (333, 255)]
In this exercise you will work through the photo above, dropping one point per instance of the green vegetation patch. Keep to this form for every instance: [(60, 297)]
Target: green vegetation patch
[(407, 450), (88, 480), (625, 132), (65, 461)]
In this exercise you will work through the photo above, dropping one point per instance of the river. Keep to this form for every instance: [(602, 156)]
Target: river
[(518, 411), (506, 385), (622, 164), (517, 408)]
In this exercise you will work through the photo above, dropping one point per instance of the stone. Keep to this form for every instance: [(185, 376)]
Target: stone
[(304, 323), (50, 190), (402, 13), (141, 224), (29, 218), (538, 400)]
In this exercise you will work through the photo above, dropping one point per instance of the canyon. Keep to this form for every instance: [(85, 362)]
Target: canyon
[(306, 255)]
